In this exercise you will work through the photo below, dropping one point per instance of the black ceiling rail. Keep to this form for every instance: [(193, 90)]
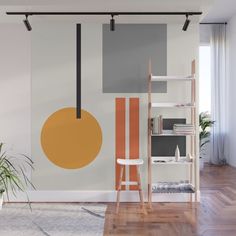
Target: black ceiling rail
[(213, 23), (29, 13)]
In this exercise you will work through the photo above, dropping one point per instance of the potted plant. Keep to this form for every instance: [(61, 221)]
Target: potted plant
[(12, 174), (205, 123), (1, 197)]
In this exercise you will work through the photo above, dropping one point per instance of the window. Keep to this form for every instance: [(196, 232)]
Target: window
[(205, 78)]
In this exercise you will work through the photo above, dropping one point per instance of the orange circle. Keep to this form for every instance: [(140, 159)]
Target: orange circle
[(69, 142)]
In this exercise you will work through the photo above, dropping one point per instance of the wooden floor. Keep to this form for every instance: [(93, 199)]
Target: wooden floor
[(214, 216)]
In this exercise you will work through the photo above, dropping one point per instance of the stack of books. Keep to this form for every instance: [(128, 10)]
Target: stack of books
[(183, 129)]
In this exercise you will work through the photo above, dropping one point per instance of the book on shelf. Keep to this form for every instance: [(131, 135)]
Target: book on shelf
[(183, 129), (157, 125)]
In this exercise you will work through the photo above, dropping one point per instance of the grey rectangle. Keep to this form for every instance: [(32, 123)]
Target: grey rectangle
[(165, 145), (126, 53)]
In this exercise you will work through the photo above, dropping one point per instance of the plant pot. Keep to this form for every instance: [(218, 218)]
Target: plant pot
[(201, 164), (1, 200)]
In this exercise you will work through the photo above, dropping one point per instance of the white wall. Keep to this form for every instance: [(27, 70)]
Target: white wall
[(231, 71), (15, 88), (205, 34)]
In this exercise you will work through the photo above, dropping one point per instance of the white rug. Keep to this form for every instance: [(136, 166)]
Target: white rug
[(53, 219)]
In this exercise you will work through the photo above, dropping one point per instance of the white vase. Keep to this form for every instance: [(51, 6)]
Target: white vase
[(177, 154), (189, 157)]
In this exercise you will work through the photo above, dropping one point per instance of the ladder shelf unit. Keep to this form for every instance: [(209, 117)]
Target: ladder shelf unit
[(170, 161)]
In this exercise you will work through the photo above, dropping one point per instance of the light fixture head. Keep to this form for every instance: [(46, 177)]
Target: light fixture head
[(112, 23), (27, 24), (186, 24)]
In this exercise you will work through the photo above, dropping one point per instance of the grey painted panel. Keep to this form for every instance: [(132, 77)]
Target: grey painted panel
[(126, 52), (165, 146)]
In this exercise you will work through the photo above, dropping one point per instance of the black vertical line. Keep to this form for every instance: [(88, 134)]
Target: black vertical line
[(78, 71)]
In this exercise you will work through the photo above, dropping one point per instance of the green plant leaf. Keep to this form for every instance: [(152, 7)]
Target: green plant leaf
[(12, 173)]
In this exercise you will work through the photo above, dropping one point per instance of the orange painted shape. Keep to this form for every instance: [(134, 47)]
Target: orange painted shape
[(69, 142), (133, 137), (120, 137)]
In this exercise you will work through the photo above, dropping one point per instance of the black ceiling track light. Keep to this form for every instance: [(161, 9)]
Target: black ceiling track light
[(27, 23), (213, 23), (186, 23), (112, 23), (112, 14), (161, 13)]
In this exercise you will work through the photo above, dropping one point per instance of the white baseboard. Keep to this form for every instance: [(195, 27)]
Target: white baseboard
[(97, 196)]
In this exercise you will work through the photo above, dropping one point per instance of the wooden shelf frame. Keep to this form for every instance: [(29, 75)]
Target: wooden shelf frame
[(190, 165)]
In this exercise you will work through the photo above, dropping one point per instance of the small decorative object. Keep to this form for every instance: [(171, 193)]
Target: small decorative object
[(159, 161), (189, 157), (177, 154)]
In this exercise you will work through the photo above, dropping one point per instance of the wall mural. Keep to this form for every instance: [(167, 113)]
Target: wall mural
[(120, 127), (71, 138), (69, 142), (126, 53), (120, 137)]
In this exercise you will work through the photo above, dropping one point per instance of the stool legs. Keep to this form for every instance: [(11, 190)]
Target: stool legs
[(140, 190), (119, 189)]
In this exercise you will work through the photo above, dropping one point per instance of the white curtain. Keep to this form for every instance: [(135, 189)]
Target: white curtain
[(218, 95)]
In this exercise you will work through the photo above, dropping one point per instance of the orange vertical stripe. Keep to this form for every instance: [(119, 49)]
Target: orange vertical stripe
[(120, 136), (133, 137)]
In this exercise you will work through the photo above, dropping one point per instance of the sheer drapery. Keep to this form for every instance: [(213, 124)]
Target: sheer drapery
[(218, 94)]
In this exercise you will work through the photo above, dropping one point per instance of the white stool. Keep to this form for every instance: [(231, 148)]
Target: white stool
[(129, 162)]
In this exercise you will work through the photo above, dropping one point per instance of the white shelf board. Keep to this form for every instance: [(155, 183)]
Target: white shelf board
[(172, 78), (171, 133), (170, 161), (171, 105)]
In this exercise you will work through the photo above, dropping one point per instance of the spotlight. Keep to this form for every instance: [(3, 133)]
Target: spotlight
[(112, 24), (27, 24), (186, 24)]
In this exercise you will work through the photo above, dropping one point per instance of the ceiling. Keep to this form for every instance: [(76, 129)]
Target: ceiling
[(221, 11), (105, 5)]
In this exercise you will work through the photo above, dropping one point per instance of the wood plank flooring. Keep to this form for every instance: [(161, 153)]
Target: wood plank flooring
[(214, 216)]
